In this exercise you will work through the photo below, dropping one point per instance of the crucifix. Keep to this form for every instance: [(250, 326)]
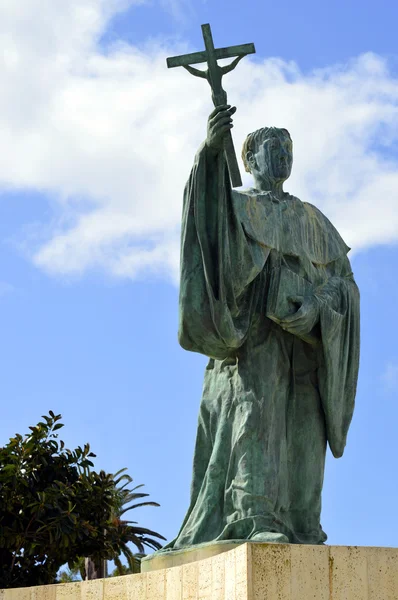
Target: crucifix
[(214, 74)]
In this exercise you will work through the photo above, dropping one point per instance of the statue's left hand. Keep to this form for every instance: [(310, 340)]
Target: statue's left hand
[(305, 318)]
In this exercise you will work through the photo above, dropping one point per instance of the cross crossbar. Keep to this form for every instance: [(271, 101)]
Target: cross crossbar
[(220, 53)]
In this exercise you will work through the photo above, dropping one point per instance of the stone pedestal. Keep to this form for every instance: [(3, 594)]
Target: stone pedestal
[(249, 571), (255, 571)]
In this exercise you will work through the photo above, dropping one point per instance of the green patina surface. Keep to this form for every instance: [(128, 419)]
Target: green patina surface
[(267, 293)]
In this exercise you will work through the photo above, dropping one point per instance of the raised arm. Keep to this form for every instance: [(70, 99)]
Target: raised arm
[(218, 262)]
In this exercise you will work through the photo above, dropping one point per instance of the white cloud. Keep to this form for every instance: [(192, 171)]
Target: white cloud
[(111, 137), (180, 10)]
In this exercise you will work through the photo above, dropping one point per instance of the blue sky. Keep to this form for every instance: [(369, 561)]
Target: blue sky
[(97, 140)]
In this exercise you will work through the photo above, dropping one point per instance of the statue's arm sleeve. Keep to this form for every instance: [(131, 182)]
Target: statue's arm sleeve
[(339, 352), (219, 264)]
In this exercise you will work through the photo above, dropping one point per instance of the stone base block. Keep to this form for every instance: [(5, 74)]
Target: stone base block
[(255, 571), (249, 571)]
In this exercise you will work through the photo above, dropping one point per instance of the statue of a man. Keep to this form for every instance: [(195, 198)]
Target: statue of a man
[(267, 293)]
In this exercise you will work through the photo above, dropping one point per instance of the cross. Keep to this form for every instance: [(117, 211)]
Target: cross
[(214, 74)]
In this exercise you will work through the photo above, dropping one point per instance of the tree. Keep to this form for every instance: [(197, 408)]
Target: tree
[(138, 536), (133, 566), (55, 509), (95, 566), (72, 572)]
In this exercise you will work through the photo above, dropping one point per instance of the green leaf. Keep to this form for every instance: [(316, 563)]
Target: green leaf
[(58, 509)]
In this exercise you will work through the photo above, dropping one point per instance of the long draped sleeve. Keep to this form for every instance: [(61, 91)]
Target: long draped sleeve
[(339, 354), (219, 264)]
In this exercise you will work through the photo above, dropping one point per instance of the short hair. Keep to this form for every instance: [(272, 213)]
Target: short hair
[(254, 139)]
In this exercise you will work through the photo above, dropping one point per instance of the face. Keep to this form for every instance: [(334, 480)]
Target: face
[(274, 156)]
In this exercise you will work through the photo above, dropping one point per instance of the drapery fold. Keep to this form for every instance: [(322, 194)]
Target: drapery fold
[(219, 265), (227, 237)]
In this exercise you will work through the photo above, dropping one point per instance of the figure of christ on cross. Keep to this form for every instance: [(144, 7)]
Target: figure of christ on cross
[(214, 74)]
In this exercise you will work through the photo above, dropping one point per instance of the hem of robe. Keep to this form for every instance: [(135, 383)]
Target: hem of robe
[(245, 529)]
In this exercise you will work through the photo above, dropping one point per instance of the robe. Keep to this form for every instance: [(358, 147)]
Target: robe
[(271, 401)]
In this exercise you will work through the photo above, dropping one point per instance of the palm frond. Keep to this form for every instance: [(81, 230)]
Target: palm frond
[(118, 565), (124, 510)]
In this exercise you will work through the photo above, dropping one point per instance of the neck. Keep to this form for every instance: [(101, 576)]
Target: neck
[(264, 184)]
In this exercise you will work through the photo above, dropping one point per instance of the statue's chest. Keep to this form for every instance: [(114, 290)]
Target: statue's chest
[(289, 226)]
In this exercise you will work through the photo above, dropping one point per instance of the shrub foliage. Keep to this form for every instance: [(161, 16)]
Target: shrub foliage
[(54, 508)]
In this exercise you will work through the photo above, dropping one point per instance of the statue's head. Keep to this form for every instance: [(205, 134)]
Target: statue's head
[(268, 153)]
